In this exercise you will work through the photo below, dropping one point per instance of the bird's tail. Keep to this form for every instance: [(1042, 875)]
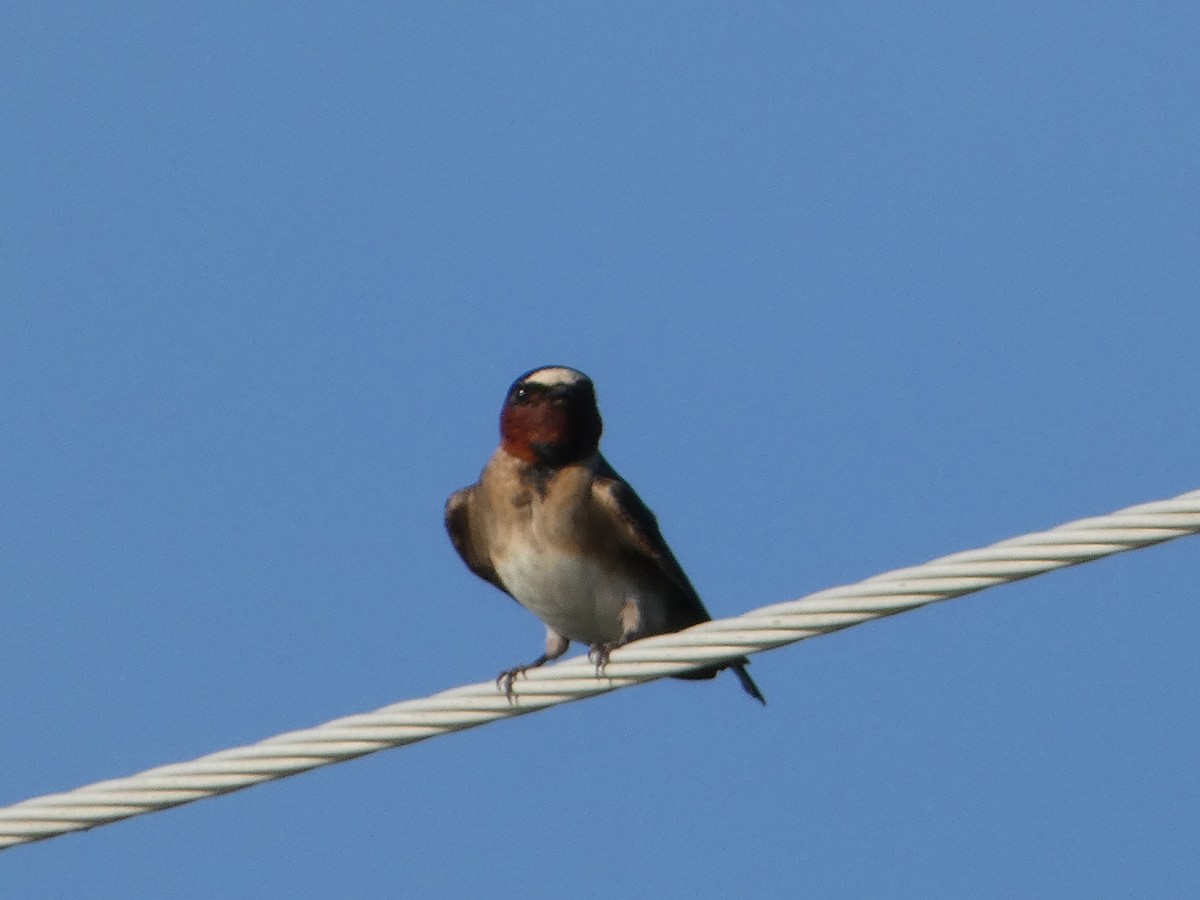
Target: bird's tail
[(748, 685), (739, 669)]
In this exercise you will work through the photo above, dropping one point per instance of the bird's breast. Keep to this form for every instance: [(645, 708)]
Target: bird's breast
[(576, 595)]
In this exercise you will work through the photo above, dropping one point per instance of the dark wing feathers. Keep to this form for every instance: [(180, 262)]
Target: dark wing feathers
[(639, 531), (458, 524)]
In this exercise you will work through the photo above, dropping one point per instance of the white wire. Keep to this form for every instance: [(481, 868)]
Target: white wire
[(477, 704)]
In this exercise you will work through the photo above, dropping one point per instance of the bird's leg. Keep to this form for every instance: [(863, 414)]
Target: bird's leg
[(598, 654), (631, 630), (556, 646)]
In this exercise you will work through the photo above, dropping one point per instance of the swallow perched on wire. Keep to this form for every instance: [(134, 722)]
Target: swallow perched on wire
[(554, 526)]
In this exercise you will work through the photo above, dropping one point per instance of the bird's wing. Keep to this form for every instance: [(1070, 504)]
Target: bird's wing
[(638, 531), (468, 544)]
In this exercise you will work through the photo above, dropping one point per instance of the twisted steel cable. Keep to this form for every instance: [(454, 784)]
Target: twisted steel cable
[(644, 660)]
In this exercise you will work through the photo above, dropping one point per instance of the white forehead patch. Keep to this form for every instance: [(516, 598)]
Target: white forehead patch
[(556, 375)]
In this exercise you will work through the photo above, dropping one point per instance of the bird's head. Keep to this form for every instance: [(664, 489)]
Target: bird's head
[(550, 417)]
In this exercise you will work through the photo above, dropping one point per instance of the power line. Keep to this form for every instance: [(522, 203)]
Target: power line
[(644, 660)]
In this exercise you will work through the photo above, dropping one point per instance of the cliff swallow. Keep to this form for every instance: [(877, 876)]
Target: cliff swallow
[(554, 526)]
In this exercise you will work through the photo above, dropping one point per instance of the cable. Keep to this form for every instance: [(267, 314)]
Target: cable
[(644, 660)]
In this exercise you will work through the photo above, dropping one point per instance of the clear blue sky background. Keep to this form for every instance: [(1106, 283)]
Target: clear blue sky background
[(859, 284)]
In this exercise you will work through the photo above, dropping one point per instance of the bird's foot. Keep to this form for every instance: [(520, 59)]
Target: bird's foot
[(505, 680), (598, 654)]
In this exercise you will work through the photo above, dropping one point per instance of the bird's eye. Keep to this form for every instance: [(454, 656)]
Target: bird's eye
[(521, 394)]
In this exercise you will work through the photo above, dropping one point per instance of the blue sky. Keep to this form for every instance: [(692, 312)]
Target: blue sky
[(859, 285)]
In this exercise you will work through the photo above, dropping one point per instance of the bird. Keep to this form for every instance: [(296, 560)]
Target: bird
[(554, 526)]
